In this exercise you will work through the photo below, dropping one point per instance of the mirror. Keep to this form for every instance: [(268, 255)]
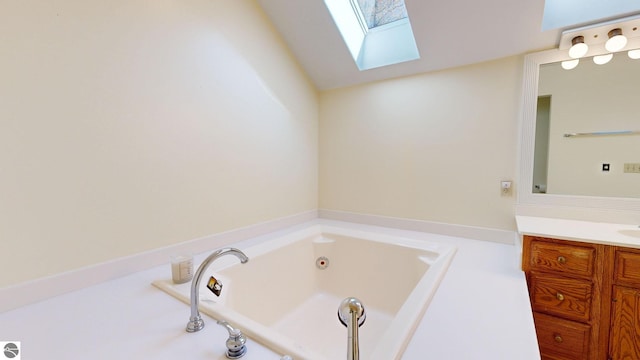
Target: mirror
[(571, 170), (588, 129)]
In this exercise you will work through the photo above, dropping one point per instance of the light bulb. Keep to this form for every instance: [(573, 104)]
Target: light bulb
[(616, 41), (634, 54), (602, 59), (578, 47), (569, 64)]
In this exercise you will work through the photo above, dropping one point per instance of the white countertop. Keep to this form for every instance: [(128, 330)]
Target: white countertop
[(480, 311), (577, 230)]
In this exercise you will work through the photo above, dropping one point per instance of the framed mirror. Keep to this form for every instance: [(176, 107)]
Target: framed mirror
[(578, 133)]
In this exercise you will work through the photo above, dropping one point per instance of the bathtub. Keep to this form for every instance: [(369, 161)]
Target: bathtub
[(287, 296)]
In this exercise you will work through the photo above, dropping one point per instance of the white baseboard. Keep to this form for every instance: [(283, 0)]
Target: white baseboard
[(33, 291), (469, 232), (43, 288)]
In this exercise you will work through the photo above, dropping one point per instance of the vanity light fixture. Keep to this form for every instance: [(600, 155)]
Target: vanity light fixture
[(569, 64), (602, 59), (634, 54), (616, 41), (578, 47), (602, 41)]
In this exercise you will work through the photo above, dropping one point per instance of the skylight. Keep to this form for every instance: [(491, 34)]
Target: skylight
[(381, 12), (563, 13), (377, 32)]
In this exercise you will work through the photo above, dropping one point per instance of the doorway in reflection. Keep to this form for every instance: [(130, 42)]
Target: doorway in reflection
[(541, 148)]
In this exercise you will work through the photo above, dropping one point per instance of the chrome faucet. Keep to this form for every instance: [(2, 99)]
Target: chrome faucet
[(195, 321), (236, 347), (351, 314)]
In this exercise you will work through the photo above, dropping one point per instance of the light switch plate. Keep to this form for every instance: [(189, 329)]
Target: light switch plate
[(632, 167)]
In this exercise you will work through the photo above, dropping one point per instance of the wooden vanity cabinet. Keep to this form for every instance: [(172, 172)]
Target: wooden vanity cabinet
[(624, 341), (585, 299), (567, 289)]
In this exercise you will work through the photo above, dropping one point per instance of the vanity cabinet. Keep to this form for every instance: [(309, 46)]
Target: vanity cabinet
[(585, 298), (567, 285), (625, 315)]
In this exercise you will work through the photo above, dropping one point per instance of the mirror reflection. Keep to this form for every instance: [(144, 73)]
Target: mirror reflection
[(587, 136)]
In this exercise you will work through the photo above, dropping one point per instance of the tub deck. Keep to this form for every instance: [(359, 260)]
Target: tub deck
[(283, 300), (141, 322)]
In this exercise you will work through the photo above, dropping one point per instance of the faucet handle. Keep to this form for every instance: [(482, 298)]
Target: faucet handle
[(236, 347)]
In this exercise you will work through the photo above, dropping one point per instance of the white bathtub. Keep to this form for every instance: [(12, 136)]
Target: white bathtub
[(283, 300)]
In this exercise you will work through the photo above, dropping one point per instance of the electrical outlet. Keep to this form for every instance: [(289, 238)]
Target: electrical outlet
[(505, 186), (632, 167)]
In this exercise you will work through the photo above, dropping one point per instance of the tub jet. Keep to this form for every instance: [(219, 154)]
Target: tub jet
[(322, 262)]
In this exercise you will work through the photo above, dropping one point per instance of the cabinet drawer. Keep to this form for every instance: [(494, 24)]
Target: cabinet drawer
[(562, 339), (627, 267), (565, 297), (567, 258)]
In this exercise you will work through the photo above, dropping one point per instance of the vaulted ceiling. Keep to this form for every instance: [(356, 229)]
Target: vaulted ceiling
[(448, 33)]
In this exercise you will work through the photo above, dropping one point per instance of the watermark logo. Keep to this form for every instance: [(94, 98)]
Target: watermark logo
[(10, 350)]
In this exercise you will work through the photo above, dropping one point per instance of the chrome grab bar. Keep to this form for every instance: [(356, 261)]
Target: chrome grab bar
[(604, 133), (351, 314)]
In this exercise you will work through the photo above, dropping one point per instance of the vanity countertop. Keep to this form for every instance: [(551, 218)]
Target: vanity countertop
[(480, 311), (627, 235)]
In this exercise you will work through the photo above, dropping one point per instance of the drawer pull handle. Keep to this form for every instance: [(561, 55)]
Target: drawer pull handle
[(559, 296), (562, 260), (558, 339)]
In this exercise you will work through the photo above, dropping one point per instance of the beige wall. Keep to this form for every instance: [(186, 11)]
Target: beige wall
[(132, 125), (431, 147)]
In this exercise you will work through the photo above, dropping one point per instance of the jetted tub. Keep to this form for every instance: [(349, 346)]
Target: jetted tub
[(287, 296)]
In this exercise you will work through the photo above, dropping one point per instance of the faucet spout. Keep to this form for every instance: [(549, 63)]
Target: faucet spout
[(195, 321)]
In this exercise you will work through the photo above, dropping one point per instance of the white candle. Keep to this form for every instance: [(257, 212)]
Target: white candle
[(181, 268)]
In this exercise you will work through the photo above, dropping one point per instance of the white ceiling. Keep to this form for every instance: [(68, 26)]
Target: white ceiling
[(448, 33)]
